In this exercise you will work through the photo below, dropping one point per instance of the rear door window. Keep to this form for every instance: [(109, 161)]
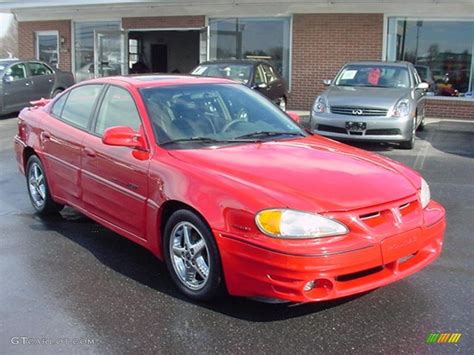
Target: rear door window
[(79, 105)]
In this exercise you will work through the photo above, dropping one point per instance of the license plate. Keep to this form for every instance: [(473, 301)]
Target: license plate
[(356, 126), (399, 246)]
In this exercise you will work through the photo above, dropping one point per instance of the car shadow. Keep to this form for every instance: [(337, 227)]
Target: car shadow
[(451, 137), (9, 116), (135, 262)]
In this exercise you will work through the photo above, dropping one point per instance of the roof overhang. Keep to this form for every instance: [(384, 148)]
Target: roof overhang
[(34, 10)]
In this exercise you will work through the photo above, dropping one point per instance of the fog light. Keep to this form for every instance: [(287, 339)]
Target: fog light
[(309, 286)]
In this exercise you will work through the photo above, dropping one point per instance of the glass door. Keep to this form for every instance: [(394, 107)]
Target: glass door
[(109, 53)]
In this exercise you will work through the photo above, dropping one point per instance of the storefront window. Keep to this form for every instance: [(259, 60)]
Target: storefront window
[(441, 51), (47, 47), (252, 38), (84, 46)]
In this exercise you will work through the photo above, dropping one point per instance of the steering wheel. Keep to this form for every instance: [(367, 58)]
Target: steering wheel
[(232, 124)]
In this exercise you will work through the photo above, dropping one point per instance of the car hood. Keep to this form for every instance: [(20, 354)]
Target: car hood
[(364, 96), (311, 173)]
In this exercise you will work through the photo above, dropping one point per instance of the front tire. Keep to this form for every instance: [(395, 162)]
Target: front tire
[(192, 257), (38, 188)]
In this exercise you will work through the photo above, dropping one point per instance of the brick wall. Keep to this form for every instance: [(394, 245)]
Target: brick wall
[(460, 109), (322, 43), (27, 40), (163, 22)]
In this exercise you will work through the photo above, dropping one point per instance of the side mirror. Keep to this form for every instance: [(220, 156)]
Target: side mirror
[(260, 86), (327, 82), (123, 136), (423, 86), (8, 78), (294, 116)]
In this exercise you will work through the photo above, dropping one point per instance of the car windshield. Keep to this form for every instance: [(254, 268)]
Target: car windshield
[(203, 114), (238, 72), (384, 76)]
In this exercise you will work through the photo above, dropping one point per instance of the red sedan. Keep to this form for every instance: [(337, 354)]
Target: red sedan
[(228, 190)]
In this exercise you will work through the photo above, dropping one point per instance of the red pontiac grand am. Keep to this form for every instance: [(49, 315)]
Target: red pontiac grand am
[(227, 189)]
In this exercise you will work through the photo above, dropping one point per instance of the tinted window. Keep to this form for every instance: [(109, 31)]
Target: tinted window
[(37, 69), (117, 109), (79, 105), (17, 71), (59, 105)]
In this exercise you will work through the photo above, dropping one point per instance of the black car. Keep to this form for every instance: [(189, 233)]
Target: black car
[(24, 81), (258, 75)]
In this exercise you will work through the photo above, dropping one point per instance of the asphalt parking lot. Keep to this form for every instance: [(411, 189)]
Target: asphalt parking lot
[(68, 278)]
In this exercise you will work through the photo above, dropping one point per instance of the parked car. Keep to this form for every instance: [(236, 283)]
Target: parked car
[(25, 81), (258, 75), (257, 206), (372, 101)]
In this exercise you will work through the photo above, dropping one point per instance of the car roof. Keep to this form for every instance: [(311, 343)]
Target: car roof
[(160, 80), (9, 61), (236, 61), (391, 63)]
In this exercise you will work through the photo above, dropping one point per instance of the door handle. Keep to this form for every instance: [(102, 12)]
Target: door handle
[(27, 84), (89, 152), (46, 135)]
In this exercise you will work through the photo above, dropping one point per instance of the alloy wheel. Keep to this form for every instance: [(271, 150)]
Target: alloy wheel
[(37, 185), (189, 255)]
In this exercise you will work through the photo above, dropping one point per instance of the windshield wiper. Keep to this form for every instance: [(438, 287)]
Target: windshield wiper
[(270, 134), (208, 140)]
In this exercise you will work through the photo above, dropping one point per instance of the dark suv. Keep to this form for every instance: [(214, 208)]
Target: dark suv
[(258, 75)]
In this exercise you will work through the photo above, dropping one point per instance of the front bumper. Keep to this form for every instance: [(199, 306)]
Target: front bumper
[(378, 129), (253, 271)]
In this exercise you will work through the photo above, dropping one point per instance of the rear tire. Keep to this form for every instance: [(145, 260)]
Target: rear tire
[(192, 257), (38, 189)]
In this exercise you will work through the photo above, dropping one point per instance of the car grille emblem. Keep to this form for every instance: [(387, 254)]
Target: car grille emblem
[(357, 112), (397, 216)]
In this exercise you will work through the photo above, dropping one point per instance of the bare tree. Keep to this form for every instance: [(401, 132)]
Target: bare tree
[(9, 41)]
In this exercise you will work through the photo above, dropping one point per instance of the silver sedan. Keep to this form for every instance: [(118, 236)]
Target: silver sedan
[(372, 101)]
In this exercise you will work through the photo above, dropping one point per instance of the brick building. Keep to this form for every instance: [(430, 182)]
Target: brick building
[(307, 40)]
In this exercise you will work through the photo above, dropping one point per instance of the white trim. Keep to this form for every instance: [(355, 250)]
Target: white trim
[(290, 54), (58, 44), (384, 37)]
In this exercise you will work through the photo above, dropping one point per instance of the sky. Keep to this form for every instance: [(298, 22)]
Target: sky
[(4, 23)]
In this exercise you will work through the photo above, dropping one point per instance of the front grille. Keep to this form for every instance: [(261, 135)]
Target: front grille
[(359, 111), (383, 132), (326, 128)]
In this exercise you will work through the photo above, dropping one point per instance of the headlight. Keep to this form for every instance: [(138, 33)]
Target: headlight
[(425, 195), (320, 105), (402, 108), (290, 224)]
